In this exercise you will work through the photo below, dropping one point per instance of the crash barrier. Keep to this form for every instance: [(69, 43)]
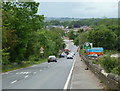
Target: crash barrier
[(111, 80)]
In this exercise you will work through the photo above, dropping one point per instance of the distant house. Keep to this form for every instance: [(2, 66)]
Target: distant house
[(85, 28), (57, 26)]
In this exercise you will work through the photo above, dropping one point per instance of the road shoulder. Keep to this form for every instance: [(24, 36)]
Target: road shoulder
[(83, 79)]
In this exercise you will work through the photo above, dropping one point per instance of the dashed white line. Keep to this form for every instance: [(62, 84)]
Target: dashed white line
[(35, 72), (26, 76), (13, 81), (6, 73), (40, 70), (23, 72)]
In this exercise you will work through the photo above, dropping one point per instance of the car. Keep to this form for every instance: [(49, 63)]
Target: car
[(66, 51), (93, 55), (69, 56), (52, 59), (62, 55), (72, 53)]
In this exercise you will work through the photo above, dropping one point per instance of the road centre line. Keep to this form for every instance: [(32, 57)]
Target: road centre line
[(40, 70), (26, 76), (13, 81), (35, 72)]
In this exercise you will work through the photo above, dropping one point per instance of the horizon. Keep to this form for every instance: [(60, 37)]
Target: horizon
[(104, 17)]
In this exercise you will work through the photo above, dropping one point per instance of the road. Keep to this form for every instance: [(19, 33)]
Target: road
[(42, 76)]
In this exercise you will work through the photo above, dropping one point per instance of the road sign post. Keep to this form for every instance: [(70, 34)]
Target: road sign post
[(87, 45), (42, 51)]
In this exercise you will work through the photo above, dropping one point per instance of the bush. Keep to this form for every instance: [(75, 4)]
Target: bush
[(82, 52), (33, 58), (5, 58), (110, 64), (116, 70), (94, 62)]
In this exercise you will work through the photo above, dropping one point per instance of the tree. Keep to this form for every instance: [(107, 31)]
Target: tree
[(19, 22), (72, 34)]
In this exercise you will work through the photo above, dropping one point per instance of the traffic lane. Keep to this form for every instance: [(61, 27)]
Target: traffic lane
[(72, 47), (51, 78), (11, 77), (26, 72), (20, 74)]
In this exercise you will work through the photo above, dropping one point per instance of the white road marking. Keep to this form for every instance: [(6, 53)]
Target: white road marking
[(69, 76), (13, 81), (6, 73), (40, 70), (23, 72), (26, 76), (35, 72), (33, 65)]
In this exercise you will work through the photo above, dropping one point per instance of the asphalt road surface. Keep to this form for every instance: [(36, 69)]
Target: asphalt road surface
[(42, 76)]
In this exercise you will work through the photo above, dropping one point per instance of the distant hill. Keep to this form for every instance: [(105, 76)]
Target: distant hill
[(60, 19)]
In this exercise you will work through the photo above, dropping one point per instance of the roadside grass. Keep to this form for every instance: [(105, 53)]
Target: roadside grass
[(111, 65), (82, 52), (109, 52), (23, 64)]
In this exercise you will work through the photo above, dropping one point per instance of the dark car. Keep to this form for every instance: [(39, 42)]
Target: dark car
[(62, 55), (52, 59)]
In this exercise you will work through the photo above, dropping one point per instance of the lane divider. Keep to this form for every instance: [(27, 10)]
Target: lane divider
[(26, 76), (35, 72), (13, 81), (40, 70)]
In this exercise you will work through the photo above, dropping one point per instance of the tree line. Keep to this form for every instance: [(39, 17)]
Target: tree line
[(103, 33), (23, 34)]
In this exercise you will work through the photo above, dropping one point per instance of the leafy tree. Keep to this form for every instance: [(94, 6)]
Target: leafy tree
[(18, 21), (72, 34), (102, 38)]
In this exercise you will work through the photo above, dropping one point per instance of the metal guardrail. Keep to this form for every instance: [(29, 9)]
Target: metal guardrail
[(111, 80)]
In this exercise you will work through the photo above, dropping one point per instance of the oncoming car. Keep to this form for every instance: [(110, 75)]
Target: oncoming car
[(52, 59)]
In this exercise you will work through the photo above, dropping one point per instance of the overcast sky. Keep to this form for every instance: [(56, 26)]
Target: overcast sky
[(79, 9)]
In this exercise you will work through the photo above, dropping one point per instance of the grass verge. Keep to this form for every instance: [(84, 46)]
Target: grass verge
[(23, 64)]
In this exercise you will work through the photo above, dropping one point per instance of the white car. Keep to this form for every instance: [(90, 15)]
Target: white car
[(72, 53), (69, 56), (52, 59)]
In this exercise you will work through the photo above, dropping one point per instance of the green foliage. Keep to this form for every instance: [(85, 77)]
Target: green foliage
[(23, 35), (102, 38), (81, 39), (18, 21), (94, 62), (116, 70), (5, 58), (76, 41), (71, 34), (110, 64), (82, 52)]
